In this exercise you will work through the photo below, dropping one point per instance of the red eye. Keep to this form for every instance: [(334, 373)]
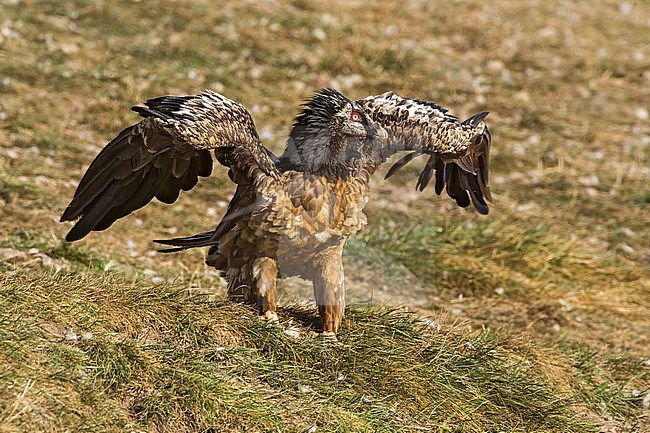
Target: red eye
[(355, 116)]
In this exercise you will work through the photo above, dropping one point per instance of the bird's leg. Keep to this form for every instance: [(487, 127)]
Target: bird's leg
[(329, 291), (265, 273)]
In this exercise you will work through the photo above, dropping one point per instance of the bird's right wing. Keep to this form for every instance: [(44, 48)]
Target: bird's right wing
[(165, 153), (458, 151)]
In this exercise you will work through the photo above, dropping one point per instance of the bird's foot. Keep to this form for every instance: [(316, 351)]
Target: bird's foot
[(271, 316), (329, 338)]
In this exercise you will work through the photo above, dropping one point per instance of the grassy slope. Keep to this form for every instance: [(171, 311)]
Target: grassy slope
[(551, 289), (99, 358)]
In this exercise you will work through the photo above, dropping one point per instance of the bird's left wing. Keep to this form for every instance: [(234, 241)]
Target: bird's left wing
[(458, 151), (164, 153)]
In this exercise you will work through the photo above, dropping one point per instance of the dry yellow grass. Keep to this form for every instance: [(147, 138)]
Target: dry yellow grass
[(561, 264)]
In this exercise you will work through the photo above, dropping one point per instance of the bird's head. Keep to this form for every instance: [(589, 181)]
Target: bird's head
[(329, 134)]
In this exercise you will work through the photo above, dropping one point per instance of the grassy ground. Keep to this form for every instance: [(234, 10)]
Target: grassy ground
[(535, 318)]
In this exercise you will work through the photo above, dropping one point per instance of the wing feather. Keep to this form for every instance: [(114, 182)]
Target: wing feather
[(459, 151), (402, 162), (427, 173), (166, 152)]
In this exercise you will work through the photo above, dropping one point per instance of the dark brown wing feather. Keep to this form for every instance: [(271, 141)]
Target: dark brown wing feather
[(163, 154), (402, 162)]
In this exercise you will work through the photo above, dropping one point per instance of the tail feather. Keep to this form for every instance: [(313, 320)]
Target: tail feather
[(195, 241)]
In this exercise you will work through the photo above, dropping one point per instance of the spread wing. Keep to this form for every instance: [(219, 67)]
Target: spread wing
[(458, 151), (165, 153)]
